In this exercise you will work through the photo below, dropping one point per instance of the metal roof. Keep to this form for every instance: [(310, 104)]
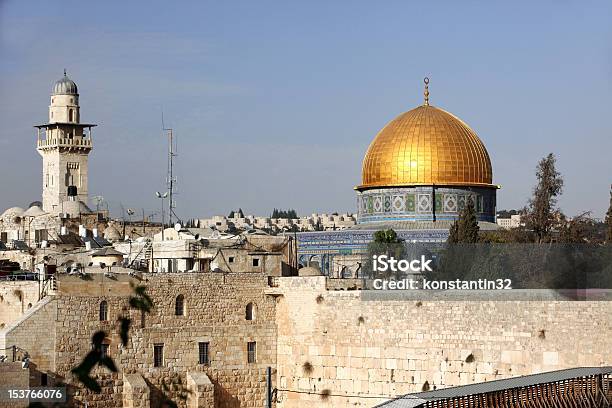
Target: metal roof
[(417, 399), (65, 86)]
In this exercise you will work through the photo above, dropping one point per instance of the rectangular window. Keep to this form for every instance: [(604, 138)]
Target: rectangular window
[(251, 352), (255, 261), (40, 235), (158, 355), (44, 379), (231, 259), (4, 237), (203, 353), (104, 350)]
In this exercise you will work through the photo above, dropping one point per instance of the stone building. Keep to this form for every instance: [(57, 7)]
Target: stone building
[(209, 337), (513, 221), (205, 249), (64, 144)]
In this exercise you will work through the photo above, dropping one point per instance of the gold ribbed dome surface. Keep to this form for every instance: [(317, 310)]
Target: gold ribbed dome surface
[(426, 146)]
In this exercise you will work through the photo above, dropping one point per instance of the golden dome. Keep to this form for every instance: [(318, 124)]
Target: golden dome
[(426, 146)]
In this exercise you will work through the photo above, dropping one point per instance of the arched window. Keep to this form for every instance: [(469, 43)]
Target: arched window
[(250, 312), (70, 115), (179, 306), (103, 311)]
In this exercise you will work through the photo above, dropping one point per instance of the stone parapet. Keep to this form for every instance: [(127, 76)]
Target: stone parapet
[(201, 391), (136, 392)]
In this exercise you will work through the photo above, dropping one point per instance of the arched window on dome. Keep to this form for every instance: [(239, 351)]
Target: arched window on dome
[(250, 312), (70, 115), (103, 311), (179, 306)]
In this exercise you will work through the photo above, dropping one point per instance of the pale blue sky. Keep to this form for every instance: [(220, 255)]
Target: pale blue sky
[(275, 103)]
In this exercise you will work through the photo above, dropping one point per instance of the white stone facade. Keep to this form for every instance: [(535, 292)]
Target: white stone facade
[(314, 222), (64, 144)]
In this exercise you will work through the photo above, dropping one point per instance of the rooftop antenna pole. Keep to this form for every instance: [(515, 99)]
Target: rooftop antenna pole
[(170, 177)]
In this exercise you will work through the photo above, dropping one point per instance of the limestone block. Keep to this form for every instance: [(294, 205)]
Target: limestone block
[(201, 390), (136, 392)]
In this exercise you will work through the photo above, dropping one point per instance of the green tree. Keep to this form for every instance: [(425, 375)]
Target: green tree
[(287, 214), (465, 229), (385, 242), (541, 213), (386, 237)]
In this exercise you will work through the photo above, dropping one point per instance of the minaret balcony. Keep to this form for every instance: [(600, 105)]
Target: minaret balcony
[(84, 143)]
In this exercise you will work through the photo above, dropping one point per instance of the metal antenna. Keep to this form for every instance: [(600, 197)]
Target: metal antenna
[(170, 177)]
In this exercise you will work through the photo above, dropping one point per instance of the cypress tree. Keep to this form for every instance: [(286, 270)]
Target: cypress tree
[(468, 224), (540, 216), (453, 236), (465, 229)]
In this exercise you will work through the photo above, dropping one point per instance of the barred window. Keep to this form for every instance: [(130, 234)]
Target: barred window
[(158, 355), (104, 350), (203, 353), (179, 307), (103, 311), (251, 352)]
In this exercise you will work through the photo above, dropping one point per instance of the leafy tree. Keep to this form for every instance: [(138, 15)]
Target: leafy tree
[(581, 229), (386, 242), (541, 213), (386, 237)]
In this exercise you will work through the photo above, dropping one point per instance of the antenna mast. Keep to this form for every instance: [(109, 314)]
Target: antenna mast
[(170, 177)]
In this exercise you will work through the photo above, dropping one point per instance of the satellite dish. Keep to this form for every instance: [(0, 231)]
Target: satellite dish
[(178, 226)]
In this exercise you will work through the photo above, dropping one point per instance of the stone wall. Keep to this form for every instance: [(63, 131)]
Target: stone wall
[(12, 375), (135, 392), (33, 334), (16, 297), (215, 307), (202, 391), (334, 342)]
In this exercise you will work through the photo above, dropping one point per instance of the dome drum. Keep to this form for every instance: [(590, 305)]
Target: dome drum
[(424, 203)]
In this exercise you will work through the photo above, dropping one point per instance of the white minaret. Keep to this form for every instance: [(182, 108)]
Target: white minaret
[(64, 144)]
